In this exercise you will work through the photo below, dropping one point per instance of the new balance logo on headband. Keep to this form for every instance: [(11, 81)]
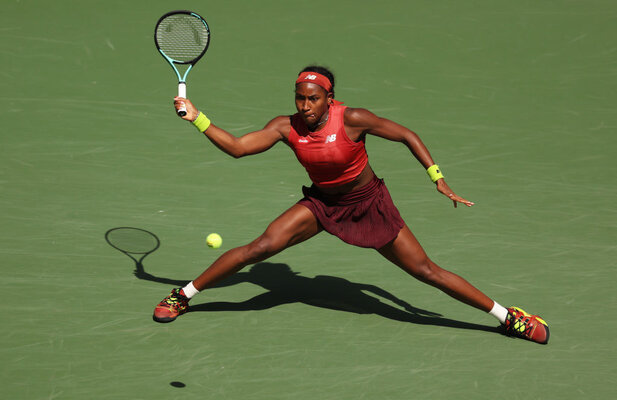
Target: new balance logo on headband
[(311, 77)]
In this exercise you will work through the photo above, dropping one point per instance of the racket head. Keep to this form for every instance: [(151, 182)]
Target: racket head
[(182, 36), (132, 240)]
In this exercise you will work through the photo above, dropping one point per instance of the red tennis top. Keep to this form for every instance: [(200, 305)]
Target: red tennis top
[(328, 155)]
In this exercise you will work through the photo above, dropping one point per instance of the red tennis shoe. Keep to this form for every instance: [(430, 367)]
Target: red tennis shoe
[(526, 326), (171, 307)]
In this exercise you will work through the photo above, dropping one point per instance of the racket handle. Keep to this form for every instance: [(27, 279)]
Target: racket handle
[(182, 93)]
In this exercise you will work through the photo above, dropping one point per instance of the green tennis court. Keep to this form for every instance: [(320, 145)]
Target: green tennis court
[(515, 100)]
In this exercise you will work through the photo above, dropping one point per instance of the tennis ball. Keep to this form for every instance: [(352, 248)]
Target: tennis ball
[(214, 240)]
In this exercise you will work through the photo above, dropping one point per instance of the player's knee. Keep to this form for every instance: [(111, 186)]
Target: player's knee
[(426, 271), (262, 248)]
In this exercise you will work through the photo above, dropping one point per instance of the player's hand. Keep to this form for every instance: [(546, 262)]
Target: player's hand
[(191, 111), (444, 189)]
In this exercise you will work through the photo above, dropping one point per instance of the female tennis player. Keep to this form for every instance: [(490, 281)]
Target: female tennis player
[(346, 199)]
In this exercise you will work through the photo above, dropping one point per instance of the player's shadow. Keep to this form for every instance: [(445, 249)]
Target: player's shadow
[(285, 286)]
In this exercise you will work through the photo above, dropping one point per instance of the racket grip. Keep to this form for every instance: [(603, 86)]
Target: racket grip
[(181, 93)]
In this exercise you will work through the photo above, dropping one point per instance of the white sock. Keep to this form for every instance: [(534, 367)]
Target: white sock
[(189, 290), (499, 312)]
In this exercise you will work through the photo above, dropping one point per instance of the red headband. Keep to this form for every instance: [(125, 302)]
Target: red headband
[(318, 79), (314, 77)]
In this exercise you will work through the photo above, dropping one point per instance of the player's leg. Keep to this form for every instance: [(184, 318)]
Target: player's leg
[(406, 252), (294, 226)]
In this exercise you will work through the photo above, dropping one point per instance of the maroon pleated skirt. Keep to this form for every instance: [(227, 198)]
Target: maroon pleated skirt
[(366, 217)]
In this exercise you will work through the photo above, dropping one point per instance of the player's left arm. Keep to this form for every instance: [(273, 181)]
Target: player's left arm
[(364, 122)]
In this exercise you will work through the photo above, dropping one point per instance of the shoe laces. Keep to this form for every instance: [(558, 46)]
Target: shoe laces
[(176, 299), (519, 323)]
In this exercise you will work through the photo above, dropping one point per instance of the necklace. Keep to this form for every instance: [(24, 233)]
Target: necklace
[(322, 122)]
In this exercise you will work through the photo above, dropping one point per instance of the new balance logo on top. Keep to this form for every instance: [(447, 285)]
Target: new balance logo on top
[(311, 77), (330, 138)]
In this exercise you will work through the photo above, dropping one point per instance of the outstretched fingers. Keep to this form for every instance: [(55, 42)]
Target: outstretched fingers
[(444, 189), (458, 199)]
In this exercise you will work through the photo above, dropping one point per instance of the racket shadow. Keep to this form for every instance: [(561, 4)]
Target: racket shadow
[(137, 244)]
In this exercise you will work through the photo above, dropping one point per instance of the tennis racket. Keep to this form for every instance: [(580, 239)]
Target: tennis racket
[(182, 37)]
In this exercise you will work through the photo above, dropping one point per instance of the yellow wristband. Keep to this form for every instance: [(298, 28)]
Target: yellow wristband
[(201, 122), (434, 172)]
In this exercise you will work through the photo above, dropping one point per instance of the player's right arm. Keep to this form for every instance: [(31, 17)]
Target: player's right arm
[(250, 143)]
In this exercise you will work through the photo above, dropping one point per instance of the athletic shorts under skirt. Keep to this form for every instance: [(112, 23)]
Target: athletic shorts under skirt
[(366, 217)]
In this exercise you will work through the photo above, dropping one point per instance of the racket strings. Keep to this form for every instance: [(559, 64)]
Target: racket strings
[(182, 37)]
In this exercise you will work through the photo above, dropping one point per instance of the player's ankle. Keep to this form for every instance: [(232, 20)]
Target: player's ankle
[(499, 312), (189, 290)]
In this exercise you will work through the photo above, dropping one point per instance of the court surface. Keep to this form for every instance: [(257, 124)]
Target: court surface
[(515, 100)]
